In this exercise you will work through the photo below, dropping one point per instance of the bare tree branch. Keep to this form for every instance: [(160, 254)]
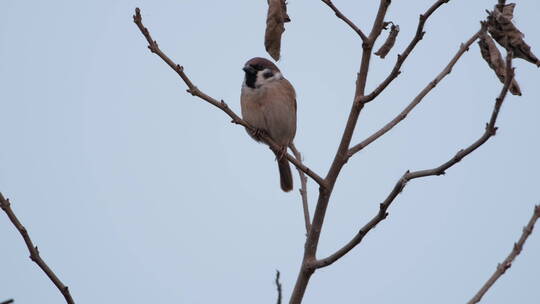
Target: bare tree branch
[(344, 150), (340, 158), (349, 22), (278, 287), (440, 170), (378, 24), (507, 263), (401, 116), (193, 90), (34, 252), (312, 241), (403, 56), (8, 301), (303, 188)]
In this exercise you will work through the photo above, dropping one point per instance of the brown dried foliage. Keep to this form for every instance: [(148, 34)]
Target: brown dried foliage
[(503, 30), (275, 19), (389, 43), (495, 61), (286, 17)]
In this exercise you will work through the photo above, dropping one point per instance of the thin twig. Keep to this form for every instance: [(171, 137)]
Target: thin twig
[(431, 85), (193, 90), (34, 252), (278, 287), (8, 301), (344, 18), (303, 188), (403, 56), (507, 263), (490, 131)]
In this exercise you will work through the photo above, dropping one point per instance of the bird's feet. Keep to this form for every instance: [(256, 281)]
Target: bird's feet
[(258, 134)]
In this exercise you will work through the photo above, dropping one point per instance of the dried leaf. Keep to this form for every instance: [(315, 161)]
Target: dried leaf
[(284, 11), (506, 34), (495, 61), (275, 19), (389, 43)]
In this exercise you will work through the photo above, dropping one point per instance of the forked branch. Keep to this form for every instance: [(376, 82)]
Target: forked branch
[(193, 90), (430, 86), (34, 252), (340, 158), (507, 263), (403, 56), (490, 131)]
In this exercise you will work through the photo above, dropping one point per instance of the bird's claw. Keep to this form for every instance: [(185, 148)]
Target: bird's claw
[(258, 134)]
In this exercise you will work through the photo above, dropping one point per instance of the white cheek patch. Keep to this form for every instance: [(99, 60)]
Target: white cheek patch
[(261, 80)]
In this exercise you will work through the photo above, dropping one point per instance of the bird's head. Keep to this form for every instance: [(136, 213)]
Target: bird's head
[(259, 72)]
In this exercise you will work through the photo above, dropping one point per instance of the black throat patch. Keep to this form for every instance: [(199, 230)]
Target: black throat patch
[(250, 79)]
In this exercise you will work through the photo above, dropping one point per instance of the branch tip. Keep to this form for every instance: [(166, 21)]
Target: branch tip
[(507, 263), (278, 287), (33, 250)]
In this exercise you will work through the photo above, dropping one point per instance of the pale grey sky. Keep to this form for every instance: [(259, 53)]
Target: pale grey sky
[(136, 192)]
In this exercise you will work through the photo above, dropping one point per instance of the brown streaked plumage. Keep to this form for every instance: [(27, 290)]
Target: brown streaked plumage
[(268, 104)]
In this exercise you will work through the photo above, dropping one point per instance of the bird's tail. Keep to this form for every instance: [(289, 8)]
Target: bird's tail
[(285, 175)]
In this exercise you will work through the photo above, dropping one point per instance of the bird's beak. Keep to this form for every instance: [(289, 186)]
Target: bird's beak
[(249, 69)]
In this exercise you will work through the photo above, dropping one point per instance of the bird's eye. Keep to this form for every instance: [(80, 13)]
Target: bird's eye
[(268, 75)]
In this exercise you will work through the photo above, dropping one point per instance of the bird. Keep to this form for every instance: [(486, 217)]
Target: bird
[(268, 103)]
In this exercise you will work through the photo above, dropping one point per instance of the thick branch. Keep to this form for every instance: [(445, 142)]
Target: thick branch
[(378, 24), (507, 263), (403, 56), (340, 159), (8, 301), (344, 18), (34, 252), (193, 90), (303, 188), (490, 131), (401, 116)]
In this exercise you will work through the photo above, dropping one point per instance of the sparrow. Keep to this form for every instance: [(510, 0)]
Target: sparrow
[(268, 103)]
